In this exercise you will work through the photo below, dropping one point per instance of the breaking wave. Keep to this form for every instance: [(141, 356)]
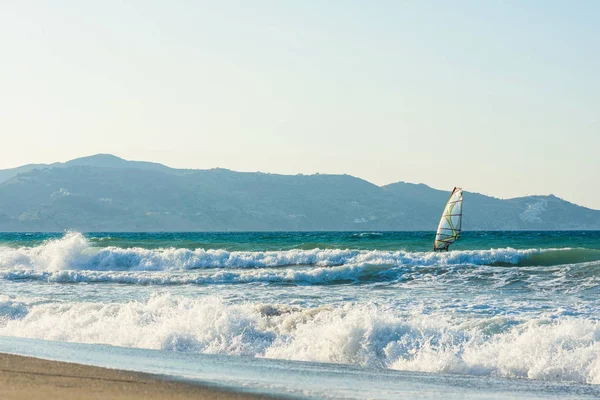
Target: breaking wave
[(563, 349), (72, 259), (567, 280), (74, 252)]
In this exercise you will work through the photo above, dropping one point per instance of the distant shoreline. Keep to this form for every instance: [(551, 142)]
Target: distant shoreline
[(28, 378)]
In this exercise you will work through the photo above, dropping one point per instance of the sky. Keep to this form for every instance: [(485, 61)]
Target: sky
[(499, 97)]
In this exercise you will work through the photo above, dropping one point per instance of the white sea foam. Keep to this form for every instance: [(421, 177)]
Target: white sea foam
[(11, 309), (565, 349), (318, 275), (74, 252)]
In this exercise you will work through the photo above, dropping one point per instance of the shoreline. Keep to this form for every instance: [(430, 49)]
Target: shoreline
[(30, 370), (30, 378)]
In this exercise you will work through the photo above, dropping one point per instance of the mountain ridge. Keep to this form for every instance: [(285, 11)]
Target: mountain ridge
[(104, 192)]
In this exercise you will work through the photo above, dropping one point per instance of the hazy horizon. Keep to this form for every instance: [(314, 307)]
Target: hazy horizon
[(498, 98)]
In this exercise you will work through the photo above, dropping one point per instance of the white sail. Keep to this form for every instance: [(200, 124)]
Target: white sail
[(450, 224)]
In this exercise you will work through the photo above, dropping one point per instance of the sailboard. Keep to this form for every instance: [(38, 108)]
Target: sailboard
[(450, 225)]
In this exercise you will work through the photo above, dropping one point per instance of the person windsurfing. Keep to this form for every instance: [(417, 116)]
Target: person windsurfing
[(450, 224)]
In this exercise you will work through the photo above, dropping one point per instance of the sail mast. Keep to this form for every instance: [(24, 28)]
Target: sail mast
[(451, 222)]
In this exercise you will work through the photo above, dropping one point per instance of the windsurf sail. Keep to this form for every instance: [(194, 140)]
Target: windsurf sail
[(449, 228)]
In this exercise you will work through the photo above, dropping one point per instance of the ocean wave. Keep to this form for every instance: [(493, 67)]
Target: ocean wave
[(366, 234), (316, 276), (10, 308), (74, 252), (570, 279), (563, 349)]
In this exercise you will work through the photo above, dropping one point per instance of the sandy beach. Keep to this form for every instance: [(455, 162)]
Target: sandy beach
[(31, 378)]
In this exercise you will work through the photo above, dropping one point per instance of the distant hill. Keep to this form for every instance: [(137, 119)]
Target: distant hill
[(98, 160), (6, 174), (107, 193)]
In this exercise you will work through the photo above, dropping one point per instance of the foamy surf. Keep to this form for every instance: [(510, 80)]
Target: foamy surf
[(567, 349), (74, 252), (487, 311), (564, 279)]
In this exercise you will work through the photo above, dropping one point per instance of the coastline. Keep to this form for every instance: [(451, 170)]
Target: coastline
[(32, 369), (29, 378)]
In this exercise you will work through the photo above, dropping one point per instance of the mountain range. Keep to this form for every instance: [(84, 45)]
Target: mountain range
[(106, 193)]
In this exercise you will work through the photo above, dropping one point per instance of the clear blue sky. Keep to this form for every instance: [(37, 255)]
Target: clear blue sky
[(500, 97)]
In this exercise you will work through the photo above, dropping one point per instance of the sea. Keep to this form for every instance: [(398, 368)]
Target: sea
[(340, 315)]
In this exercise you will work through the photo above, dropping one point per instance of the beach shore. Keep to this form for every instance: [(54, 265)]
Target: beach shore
[(27, 378)]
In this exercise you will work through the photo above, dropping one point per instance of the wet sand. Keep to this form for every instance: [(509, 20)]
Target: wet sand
[(27, 378)]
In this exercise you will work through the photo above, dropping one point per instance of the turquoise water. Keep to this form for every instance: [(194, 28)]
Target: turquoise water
[(263, 241), (499, 305)]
